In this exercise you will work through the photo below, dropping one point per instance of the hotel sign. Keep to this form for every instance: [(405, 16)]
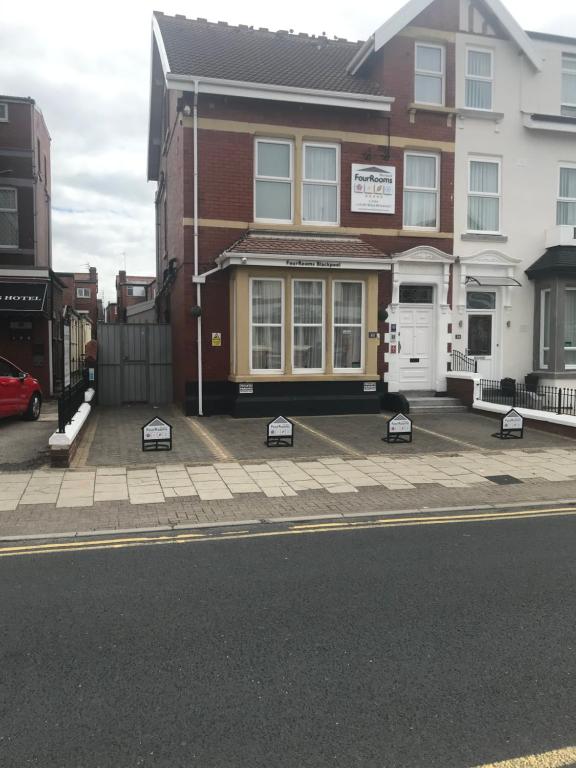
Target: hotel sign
[(22, 297), (309, 263), (373, 188)]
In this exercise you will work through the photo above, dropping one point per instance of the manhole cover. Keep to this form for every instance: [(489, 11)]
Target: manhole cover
[(503, 479)]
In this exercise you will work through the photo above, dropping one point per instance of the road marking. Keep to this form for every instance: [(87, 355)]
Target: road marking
[(212, 443), (328, 439), (555, 759), (441, 436), (391, 522)]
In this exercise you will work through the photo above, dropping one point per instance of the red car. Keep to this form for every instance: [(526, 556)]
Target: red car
[(20, 393)]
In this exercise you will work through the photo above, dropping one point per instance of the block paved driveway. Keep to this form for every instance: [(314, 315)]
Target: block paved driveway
[(114, 438)]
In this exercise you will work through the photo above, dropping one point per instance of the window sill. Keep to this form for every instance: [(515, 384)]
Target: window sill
[(480, 114), (476, 237), (435, 109), (558, 123), (417, 232)]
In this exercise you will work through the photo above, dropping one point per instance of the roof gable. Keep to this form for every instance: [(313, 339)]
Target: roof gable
[(414, 8)]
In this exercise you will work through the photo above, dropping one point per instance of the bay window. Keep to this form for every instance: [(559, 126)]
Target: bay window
[(308, 325), (8, 217), (429, 74), (479, 79), (545, 328), (568, 106), (566, 207), (420, 191), (569, 337), (348, 322), (484, 196), (273, 180), (320, 185), (266, 324)]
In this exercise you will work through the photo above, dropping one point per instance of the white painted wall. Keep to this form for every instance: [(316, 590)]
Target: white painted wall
[(530, 177)]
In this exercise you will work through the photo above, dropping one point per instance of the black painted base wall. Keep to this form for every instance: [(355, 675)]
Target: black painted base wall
[(289, 398)]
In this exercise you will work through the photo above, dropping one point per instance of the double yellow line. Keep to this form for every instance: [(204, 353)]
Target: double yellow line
[(344, 525)]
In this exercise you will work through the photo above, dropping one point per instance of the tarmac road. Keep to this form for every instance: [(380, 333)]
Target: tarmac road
[(428, 645)]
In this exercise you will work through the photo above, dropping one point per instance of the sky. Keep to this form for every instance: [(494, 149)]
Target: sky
[(87, 66)]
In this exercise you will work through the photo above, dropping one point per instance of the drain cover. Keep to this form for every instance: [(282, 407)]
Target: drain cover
[(503, 479)]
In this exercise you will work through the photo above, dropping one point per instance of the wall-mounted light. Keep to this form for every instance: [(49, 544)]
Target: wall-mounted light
[(187, 111)]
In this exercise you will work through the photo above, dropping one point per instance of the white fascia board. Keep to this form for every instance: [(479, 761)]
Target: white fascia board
[(398, 21), (516, 32), (269, 92), (361, 56), (161, 47), (226, 260)]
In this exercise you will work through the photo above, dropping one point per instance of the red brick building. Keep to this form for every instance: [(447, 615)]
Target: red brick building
[(81, 293), (316, 226), (132, 290), (30, 293)]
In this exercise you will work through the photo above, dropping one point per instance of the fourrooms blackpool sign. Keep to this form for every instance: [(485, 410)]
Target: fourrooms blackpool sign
[(280, 432), (157, 436), (511, 426), (399, 429), (373, 188)]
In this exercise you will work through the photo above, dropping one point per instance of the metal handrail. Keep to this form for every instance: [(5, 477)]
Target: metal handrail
[(462, 362)]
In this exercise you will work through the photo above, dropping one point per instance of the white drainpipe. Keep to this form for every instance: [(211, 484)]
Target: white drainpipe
[(198, 285)]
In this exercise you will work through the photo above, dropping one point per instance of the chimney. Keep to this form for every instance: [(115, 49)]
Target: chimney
[(93, 273)]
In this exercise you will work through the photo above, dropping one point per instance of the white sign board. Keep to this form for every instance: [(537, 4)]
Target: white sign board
[(399, 425), (66, 355), (280, 427), (369, 386), (246, 389), (512, 420), (156, 430), (373, 188)]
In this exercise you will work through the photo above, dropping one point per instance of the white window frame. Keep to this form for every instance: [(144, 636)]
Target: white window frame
[(569, 106), (83, 293), (285, 180), (349, 325), (480, 78), (561, 167), (321, 182), (130, 288), (570, 349), (494, 161), (436, 190), (430, 73), (542, 347), (309, 325), (281, 325), (11, 210), (4, 118)]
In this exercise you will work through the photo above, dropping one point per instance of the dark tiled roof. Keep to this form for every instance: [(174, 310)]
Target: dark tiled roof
[(217, 50), (309, 245), (559, 260)]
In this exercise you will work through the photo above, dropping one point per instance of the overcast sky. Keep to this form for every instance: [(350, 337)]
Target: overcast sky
[(87, 66)]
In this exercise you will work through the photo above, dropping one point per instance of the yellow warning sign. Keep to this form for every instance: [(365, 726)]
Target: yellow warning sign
[(216, 339)]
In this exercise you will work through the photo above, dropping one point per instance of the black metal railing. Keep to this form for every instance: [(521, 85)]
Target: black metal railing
[(70, 400), (537, 398), (461, 362)]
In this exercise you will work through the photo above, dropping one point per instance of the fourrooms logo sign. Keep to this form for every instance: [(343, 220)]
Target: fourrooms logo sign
[(373, 189)]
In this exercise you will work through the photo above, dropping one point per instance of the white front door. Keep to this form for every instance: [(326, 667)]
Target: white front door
[(416, 347), (481, 341)]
